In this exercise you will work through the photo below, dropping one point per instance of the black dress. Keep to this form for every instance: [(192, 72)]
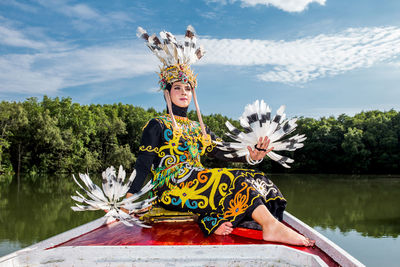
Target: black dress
[(182, 183)]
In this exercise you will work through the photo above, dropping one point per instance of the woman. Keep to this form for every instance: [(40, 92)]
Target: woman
[(172, 146)]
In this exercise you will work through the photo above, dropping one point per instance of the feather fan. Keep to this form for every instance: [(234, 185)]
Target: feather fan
[(111, 197), (257, 122)]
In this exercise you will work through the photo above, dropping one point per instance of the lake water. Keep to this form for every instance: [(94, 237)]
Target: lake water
[(359, 213)]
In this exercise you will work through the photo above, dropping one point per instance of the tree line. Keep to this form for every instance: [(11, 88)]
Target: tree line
[(59, 136)]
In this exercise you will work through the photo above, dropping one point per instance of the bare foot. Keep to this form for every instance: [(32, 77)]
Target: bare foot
[(224, 229), (278, 232)]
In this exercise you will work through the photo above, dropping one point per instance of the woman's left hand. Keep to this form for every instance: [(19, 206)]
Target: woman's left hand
[(262, 150)]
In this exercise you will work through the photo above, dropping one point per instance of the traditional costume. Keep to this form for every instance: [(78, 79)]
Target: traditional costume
[(172, 147)]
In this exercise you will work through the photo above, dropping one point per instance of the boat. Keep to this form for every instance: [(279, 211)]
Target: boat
[(176, 242)]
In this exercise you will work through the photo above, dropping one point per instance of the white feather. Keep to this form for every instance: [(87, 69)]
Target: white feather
[(257, 121), (127, 185), (114, 189), (170, 51)]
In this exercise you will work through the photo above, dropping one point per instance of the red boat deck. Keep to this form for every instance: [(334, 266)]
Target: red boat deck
[(183, 233)]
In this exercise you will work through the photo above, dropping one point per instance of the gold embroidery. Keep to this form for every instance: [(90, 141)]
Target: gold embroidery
[(147, 123), (182, 182), (151, 149), (213, 144)]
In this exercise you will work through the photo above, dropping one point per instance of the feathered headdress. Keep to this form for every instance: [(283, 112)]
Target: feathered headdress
[(175, 56)]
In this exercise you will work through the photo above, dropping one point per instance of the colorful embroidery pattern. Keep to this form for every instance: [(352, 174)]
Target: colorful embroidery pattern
[(239, 203), (183, 183)]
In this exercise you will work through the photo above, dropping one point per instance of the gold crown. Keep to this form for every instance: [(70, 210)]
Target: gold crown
[(177, 72)]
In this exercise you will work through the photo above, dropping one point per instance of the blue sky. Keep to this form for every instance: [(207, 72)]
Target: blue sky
[(318, 57)]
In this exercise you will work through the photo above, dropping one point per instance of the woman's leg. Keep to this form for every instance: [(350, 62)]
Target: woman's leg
[(275, 231)]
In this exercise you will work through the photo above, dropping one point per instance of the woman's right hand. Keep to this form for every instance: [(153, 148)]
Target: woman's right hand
[(261, 149)]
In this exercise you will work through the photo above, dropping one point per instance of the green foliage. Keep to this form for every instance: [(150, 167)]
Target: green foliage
[(365, 143), (58, 136)]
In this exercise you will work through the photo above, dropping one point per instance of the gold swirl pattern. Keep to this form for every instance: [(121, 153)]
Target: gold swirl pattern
[(223, 189), (152, 149), (149, 149), (187, 192), (213, 144), (170, 161), (182, 182), (166, 198)]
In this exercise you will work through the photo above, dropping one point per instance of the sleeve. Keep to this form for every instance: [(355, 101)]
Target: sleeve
[(214, 152), (151, 139)]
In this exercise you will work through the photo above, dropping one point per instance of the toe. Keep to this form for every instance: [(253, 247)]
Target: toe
[(309, 242)]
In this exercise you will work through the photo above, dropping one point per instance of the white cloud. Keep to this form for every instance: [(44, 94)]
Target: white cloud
[(222, 2), (97, 64), (285, 5), (208, 15), (33, 38), (16, 76), (154, 90), (307, 59), (55, 65), (85, 17), (49, 72), (120, 17), (80, 10), (16, 38)]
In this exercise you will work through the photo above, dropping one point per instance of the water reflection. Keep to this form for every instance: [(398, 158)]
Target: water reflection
[(367, 204), (40, 207)]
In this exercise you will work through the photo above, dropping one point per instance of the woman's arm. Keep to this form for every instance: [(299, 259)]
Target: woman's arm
[(151, 139)]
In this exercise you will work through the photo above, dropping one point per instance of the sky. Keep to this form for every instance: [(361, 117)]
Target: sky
[(317, 57)]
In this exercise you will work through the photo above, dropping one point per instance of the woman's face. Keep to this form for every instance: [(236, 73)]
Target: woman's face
[(181, 94)]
